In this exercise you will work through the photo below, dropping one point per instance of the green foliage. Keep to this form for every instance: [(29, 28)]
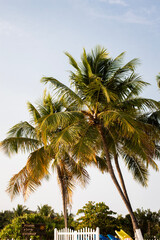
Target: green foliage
[(20, 210), (11, 226), (106, 94), (91, 215), (97, 215), (96, 122), (149, 222), (47, 140), (14, 230), (46, 211), (5, 218), (126, 224)]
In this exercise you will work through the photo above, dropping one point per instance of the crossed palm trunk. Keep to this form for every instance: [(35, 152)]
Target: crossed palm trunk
[(121, 189), (134, 221)]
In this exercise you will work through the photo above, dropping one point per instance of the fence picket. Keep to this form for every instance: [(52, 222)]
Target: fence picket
[(82, 234)]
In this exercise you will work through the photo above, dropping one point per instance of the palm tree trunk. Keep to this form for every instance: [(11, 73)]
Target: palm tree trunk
[(64, 207), (64, 194), (123, 185), (121, 177), (115, 181)]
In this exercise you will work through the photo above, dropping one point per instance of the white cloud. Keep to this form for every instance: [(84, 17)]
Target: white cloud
[(128, 17), (149, 11), (119, 2), (8, 29), (131, 17)]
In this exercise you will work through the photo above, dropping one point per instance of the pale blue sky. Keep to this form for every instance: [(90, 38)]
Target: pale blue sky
[(33, 37)]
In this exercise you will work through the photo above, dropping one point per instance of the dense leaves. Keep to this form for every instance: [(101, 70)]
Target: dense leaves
[(47, 139), (90, 215), (105, 92), (100, 120), (97, 215)]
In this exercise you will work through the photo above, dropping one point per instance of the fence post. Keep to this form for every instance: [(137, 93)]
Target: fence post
[(97, 233), (75, 235), (55, 234), (138, 235)]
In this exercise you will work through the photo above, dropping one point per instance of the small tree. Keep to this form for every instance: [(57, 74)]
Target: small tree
[(97, 215)]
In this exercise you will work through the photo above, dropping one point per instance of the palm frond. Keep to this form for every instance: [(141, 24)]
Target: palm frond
[(99, 55), (101, 163), (141, 104), (57, 121), (142, 147), (22, 129), (152, 118), (137, 168), (35, 114), (134, 85), (158, 79), (78, 170), (157, 151), (86, 64), (122, 120), (87, 145), (38, 163), (23, 183), (131, 86), (62, 91), (107, 94), (131, 65), (73, 62), (68, 136), (19, 144), (115, 65)]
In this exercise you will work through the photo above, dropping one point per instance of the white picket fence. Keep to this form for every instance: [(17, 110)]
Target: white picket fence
[(82, 234)]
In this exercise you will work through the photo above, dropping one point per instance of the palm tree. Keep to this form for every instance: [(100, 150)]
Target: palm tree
[(46, 211), (20, 210), (105, 97), (26, 137)]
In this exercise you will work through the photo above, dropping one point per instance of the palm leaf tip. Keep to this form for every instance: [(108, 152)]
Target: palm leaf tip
[(72, 61), (44, 80), (7, 147), (99, 53)]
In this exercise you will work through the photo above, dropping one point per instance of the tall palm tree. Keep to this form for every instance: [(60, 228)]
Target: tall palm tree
[(105, 97), (26, 137)]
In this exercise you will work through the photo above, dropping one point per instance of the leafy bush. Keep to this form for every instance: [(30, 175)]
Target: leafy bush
[(14, 230)]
